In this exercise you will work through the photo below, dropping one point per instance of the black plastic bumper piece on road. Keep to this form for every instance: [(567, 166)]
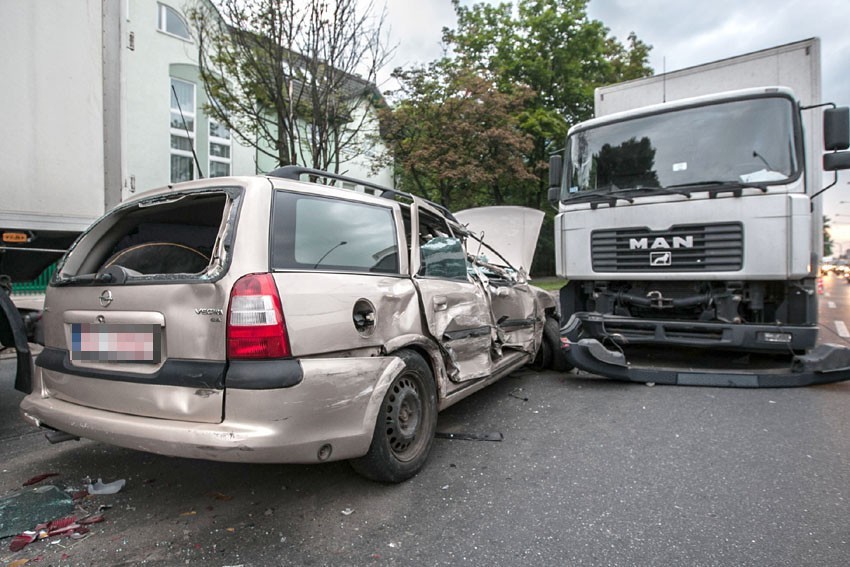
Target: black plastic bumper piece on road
[(813, 368), (13, 333)]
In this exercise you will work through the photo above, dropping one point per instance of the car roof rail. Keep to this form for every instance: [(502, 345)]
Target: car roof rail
[(295, 172)]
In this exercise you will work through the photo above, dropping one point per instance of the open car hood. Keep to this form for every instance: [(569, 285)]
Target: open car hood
[(510, 231)]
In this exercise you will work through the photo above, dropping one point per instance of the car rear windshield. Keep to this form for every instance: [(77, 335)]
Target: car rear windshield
[(174, 236), (318, 233)]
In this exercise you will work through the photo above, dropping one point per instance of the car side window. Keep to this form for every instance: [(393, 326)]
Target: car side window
[(319, 233), (442, 254)]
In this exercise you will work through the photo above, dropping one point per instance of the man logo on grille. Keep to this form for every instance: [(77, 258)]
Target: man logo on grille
[(660, 259)]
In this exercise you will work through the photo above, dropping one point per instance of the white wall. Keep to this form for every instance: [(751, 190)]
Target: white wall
[(52, 103), (147, 94)]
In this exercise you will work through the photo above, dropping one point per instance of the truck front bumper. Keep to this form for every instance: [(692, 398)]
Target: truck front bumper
[(697, 334), (824, 364)]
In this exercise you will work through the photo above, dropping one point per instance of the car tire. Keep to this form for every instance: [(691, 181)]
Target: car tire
[(549, 356), (405, 426)]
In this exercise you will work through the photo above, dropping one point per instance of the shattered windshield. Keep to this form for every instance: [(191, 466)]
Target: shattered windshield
[(743, 141)]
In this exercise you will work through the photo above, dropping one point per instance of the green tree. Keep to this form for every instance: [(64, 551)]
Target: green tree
[(556, 50), (540, 60), (456, 138), (291, 78)]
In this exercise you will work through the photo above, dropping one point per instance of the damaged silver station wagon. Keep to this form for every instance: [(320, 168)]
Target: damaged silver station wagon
[(269, 319)]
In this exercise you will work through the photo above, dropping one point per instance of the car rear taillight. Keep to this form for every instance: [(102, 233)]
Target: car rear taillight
[(255, 326)]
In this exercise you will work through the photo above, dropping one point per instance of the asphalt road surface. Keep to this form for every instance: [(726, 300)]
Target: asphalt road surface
[(590, 472)]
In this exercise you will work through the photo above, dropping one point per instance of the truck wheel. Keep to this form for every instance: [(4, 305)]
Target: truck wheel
[(404, 430), (549, 356)]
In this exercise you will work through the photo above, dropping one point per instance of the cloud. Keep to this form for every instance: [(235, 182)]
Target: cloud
[(684, 34)]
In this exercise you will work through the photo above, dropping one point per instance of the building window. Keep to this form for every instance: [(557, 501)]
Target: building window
[(220, 147), (171, 22), (182, 130)]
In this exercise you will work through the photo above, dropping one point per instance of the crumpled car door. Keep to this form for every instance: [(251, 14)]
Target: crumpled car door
[(456, 308)]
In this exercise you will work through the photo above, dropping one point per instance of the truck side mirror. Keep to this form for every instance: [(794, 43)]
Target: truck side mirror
[(836, 161), (556, 169), (836, 136), (836, 128)]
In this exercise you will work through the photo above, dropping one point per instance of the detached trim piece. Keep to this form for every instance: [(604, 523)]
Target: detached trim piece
[(14, 333), (174, 372), (466, 333)]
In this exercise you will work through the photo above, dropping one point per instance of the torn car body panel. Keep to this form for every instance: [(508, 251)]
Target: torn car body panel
[(459, 320)]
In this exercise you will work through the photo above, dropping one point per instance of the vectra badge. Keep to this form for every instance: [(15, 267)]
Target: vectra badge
[(105, 298)]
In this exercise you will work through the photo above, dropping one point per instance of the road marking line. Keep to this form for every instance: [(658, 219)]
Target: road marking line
[(842, 329), (830, 304)]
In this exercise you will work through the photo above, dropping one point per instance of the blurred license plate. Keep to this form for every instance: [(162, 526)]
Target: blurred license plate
[(111, 342)]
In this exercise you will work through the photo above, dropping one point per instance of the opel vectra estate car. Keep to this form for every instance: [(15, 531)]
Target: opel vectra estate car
[(269, 319)]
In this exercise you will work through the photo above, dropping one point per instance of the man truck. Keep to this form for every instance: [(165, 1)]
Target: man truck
[(689, 225)]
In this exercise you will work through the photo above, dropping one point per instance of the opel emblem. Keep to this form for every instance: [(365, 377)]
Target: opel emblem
[(105, 298)]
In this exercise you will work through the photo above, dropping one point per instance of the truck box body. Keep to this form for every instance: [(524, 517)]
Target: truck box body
[(58, 87), (61, 165)]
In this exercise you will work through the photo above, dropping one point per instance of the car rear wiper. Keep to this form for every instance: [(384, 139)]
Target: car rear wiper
[(716, 187), (81, 279)]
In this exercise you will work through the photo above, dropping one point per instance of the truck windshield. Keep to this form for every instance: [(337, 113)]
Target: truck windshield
[(738, 142)]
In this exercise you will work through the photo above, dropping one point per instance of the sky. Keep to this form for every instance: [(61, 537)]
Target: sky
[(682, 33)]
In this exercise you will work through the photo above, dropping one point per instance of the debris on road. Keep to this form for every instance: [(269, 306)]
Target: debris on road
[(23, 510), (67, 526), (101, 488), (517, 396), (492, 436), (38, 478)]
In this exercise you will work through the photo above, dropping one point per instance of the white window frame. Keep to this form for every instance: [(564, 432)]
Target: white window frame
[(221, 142), (162, 19), (181, 132)]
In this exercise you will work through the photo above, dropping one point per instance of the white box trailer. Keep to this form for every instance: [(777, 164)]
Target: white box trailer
[(59, 115), (62, 161), (689, 226)]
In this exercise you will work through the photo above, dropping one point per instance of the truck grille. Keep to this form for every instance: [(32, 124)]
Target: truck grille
[(687, 248)]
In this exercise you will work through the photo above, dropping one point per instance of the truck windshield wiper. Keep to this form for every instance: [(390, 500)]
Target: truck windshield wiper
[(656, 191), (595, 197), (716, 187)]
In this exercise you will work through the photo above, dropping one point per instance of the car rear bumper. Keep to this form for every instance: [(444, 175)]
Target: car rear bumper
[(334, 407)]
